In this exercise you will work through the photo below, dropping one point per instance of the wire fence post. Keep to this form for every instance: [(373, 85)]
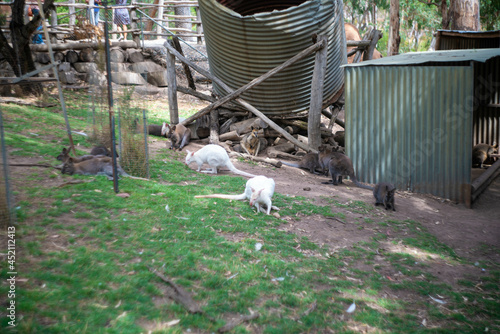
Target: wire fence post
[(146, 141), (6, 215)]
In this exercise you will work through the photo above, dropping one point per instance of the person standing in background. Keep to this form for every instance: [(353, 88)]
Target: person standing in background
[(94, 12), (37, 37), (122, 18)]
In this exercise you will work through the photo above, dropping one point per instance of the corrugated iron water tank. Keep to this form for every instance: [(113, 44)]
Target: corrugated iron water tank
[(246, 39)]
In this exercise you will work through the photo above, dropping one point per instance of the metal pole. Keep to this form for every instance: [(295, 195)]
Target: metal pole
[(6, 172), (56, 75), (146, 141), (110, 99)]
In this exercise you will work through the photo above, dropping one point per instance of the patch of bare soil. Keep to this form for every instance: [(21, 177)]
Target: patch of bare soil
[(472, 233)]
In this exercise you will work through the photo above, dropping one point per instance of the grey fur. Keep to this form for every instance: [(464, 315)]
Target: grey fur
[(308, 161), (384, 195), (340, 165)]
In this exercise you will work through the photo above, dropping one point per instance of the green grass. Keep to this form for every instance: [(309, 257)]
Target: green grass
[(85, 256)]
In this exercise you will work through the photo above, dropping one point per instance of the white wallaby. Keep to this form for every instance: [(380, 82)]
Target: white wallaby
[(215, 156), (258, 191)]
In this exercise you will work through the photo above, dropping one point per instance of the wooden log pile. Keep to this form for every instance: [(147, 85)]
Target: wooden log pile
[(234, 123)]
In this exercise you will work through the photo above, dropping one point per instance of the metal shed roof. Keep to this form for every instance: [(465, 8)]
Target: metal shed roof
[(445, 56)]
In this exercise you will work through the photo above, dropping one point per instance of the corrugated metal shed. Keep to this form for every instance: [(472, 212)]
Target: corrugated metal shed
[(455, 40), (246, 39), (409, 118)]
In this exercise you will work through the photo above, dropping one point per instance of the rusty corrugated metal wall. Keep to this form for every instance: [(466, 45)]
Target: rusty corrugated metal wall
[(456, 40), (408, 125), (487, 102), (245, 39)]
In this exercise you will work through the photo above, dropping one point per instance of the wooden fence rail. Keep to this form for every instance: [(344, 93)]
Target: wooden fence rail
[(70, 14)]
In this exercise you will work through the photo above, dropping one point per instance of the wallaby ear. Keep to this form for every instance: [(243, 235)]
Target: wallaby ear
[(65, 151), (70, 160), (174, 127)]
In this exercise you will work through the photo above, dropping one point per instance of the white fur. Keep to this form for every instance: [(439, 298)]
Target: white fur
[(164, 128), (215, 156), (259, 190)]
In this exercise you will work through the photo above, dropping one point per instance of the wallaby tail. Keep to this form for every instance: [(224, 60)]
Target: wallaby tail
[(237, 171), (224, 196), (290, 164), (361, 185)]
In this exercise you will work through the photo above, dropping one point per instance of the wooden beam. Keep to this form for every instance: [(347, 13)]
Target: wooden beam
[(314, 121), (172, 88), (233, 93)]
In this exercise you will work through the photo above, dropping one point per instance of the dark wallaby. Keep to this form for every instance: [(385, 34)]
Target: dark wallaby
[(308, 161), (384, 195), (95, 166), (324, 157), (155, 130), (64, 156), (251, 142), (483, 152), (178, 134), (340, 165)]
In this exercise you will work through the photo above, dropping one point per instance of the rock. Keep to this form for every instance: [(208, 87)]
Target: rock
[(85, 67), (127, 78)]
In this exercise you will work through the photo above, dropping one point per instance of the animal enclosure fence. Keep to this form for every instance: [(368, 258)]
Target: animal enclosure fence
[(71, 20), (131, 126), (6, 212)]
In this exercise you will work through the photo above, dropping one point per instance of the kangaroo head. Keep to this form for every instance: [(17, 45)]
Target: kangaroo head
[(64, 155), (68, 167)]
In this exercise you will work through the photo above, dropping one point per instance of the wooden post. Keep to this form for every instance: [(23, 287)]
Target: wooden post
[(71, 12), (214, 126), (159, 18), (172, 87), (234, 93), (134, 26), (199, 26), (374, 36), (313, 128)]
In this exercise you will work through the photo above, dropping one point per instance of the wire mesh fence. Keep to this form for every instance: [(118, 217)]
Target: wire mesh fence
[(130, 128), (6, 204)]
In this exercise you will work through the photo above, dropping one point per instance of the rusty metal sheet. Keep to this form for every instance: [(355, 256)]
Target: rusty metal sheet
[(245, 39)]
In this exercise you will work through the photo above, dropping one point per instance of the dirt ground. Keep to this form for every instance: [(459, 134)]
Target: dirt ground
[(465, 230)]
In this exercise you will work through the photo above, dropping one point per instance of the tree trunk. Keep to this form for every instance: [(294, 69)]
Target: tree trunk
[(394, 38), (19, 55), (465, 15), (184, 23)]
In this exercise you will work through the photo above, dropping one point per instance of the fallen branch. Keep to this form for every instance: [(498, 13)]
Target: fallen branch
[(235, 322), (71, 182), (35, 165), (273, 162), (179, 294), (22, 102)]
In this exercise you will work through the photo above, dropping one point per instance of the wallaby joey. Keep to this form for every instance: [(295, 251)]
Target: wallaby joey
[(308, 161), (259, 190), (179, 135), (340, 165), (483, 152), (251, 142), (384, 195), (215, 156), (95, 166)]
